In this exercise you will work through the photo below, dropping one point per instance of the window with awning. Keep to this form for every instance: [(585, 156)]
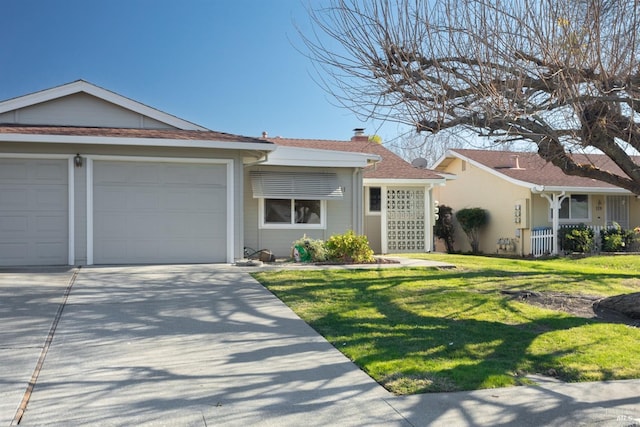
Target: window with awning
[(295, 185)]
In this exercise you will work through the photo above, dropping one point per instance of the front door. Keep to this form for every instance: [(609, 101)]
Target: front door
[(618, 211)]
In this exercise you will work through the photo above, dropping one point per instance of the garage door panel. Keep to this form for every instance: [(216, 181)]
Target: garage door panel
[(15, 171), (12, 226), (51, 199), (48, 171), (49, 251), (33, 212), (161, 212), (48, 225)]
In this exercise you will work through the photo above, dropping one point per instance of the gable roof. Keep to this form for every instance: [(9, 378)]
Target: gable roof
[(528, 169), (82, 86), (390, 167)]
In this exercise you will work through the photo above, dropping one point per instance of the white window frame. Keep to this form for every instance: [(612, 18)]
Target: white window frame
[(293, 225), (367, 201), (571, 219)]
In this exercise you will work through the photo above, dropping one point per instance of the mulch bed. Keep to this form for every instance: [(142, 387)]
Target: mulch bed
[(578, 305)]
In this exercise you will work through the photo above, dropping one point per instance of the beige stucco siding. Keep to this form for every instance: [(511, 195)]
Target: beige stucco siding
[(474, 187), (80, 109), (340, 213), (372, 229)]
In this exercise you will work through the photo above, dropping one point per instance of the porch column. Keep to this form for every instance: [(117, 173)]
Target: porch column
[(555, 200)]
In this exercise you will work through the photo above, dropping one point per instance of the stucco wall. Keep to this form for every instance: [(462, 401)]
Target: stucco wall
[(340, 213), (477, 188)]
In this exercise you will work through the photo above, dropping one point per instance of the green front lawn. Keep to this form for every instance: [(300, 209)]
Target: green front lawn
[(429, 330)]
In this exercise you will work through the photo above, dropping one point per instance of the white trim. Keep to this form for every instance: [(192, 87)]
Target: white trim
[(89, 166), (229, 189), (144, 142), (71, 215), (230, 213), (430, 214), (36, 156), (582, 190), (409, 182), (295, 156), (572, 220), (292, 226), (106, 95), (70, 193), (384, 229), (367, 200)]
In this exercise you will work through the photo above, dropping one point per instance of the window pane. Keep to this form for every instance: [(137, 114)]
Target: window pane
[(564, 209), (307, 211), (375, 199), (579, 206), (277, 211)]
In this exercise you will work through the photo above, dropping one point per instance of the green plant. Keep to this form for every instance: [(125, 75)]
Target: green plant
[(349, 247), (576, 239), (309, 250), (613, 239), (472, 221), (443, 229)]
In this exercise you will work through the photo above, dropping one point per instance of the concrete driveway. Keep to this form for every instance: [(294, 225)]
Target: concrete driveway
[(206, 345)]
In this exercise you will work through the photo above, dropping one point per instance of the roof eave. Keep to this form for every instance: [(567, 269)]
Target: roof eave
[(539, 189), (404, 181), (309, 157), (146, 142)]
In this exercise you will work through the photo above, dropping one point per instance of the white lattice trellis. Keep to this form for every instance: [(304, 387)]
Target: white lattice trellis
[(405, 220)]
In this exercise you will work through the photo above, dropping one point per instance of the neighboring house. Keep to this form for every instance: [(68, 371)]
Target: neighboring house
[(90, 177), (397, 206), (528, 199)]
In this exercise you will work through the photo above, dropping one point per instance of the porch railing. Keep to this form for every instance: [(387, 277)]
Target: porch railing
[(542, 239)]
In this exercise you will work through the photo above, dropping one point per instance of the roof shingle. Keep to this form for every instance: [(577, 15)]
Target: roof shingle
[(535, 170), (177, 134), (392, 166)]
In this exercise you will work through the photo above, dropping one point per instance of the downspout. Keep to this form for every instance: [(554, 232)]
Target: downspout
[(356, 210)]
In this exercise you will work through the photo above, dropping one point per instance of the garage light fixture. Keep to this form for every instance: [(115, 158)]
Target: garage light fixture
[(77, 160)]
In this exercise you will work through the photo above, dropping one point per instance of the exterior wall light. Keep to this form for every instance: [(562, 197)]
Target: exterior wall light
[(77, 160)]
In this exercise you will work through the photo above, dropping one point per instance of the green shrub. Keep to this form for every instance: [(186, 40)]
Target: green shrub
[(443, 228), (576, 239), (349, 247), (309, 250), (472, 221), (615, 239)]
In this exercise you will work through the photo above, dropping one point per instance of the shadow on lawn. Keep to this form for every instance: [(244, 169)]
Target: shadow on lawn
[(483, 353)]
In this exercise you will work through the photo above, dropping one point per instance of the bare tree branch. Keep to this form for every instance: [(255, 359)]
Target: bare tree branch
[(563, 74)]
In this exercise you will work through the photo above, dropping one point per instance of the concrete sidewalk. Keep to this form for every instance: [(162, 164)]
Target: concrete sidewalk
[(207, 345)]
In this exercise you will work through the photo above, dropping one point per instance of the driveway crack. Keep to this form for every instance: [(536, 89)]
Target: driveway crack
[(43, 353)]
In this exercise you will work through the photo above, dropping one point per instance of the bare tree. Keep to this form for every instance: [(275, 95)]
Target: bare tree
[(562, 74)]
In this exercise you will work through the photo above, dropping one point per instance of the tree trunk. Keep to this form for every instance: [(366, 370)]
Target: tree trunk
[(627, 304)]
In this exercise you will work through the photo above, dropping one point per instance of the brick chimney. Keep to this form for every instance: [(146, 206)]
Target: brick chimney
[(359, 136)]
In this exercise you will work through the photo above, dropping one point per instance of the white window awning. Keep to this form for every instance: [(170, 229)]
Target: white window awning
[(295, 185)]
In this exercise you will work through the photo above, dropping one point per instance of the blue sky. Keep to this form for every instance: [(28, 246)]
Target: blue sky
[(229, 65)]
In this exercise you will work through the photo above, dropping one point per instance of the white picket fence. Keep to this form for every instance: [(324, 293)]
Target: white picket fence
[(542, 239)]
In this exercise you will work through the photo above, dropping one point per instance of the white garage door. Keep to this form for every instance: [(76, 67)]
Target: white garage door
[(33, 212), (147, 212)]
